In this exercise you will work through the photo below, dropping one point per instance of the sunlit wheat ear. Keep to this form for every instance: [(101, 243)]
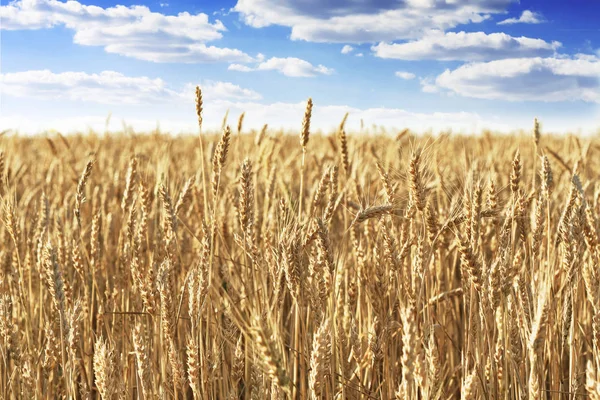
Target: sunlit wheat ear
[(492, 198), (320, 360), (246, 197), (269, 355), (417, 189), (319, 192), (11, 222), (80, 194), (343, 122), (219, 160), (387, 184), (515, 175), (261, 135), (547, 177), (129, 184), (409, 352), (51, 347), (592, 382), (169, 212), (104, 368), (74, 332), (333, 194), (54, 279), (193, 363), (476, 214), (470, 263), (324, 244), (240, 123), (469, 387), (432, 223), (95, 242), (370, 213), (199, 105), (591, 279), (432, 358), (305, 132), (344, 151), (185, 196), (5, 318), (144, 368), (223, 147), (224, 121), (536, 132), (9, 339)]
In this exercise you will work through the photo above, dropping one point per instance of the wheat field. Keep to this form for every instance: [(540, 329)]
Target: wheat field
[(256, 265)]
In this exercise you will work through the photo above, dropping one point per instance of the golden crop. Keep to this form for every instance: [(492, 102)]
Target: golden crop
[(261, 265)]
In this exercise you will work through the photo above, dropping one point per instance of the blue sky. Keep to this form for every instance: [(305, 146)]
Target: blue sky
[(423, 64)]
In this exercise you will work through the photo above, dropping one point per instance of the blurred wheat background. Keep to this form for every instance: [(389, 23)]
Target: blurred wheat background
[(255, 265)]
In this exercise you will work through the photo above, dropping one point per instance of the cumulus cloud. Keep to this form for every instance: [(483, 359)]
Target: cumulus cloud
[(405, 75), (289, 66), (109, 87), (240, 68), (428, 85), (365, 21), (467, 46), (217, 90), (527, 17), (533, 79), (347, 49), (133, 31)]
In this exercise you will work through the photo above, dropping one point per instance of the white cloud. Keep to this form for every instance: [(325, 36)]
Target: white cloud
[(130, 31), (466, 46), (217, 90), (287, 116), (289, 66), (26, 125), (359, 54), (367, 20), (240, 68), (405, 75), (109, 87), (295, 67), (527, 79), (588, 57), (347, 49), (428, 85), (527, 17)]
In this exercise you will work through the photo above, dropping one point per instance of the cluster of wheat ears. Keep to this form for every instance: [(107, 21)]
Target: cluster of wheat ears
[(262, 265)]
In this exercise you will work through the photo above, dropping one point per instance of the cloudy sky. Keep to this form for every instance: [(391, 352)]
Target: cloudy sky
[(461, 64)]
